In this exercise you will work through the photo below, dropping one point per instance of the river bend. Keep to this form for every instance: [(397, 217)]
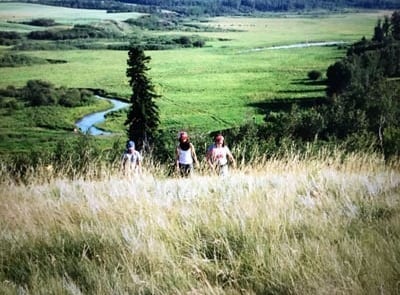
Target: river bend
[(88, 122)]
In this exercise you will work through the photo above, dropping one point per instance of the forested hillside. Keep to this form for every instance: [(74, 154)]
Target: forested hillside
[(220, 7)]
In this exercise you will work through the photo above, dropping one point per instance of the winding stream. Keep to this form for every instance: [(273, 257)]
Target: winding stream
[(86, 124), (297, 45)]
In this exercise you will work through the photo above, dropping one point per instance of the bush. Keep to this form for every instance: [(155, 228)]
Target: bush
[(43, 93), (11, 104), (314, 75), (30, 46), (17, 60), (9, 38), (10, 91), (391, 142), (42, 22), (77, 32), (70, 98), (39, 93)]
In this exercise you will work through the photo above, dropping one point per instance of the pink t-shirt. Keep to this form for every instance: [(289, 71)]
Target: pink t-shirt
[(219, 154)]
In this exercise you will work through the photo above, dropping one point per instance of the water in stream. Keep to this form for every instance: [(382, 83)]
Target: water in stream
[(86, 124)]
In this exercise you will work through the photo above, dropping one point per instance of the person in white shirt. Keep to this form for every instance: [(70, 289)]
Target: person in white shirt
[(131, 162), (218, 156), (185, 155)]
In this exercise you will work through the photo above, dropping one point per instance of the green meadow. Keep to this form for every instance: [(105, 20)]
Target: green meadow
[(221, 85)]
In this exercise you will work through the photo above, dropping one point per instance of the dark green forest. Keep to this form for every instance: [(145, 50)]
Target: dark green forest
[(221, 7)]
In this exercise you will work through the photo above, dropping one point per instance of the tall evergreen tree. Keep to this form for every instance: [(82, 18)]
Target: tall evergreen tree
[(143, 116), (395, 20), (379, 33), (386, 26)]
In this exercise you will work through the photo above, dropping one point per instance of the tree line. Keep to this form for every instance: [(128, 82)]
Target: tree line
[(84, 37), (220, 7)]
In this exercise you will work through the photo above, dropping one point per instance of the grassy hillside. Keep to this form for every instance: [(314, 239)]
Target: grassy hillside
[(296, 225)]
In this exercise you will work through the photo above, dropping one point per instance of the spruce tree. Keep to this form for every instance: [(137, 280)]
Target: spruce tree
[(395, 21), (143, 116)]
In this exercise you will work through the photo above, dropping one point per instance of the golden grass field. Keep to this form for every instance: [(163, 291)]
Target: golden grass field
[(300, 224)]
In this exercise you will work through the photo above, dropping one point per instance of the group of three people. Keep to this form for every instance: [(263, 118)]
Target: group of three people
[(218, 156)]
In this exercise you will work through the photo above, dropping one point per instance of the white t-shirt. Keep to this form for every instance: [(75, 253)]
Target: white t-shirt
[(185, 157), (131, 159)]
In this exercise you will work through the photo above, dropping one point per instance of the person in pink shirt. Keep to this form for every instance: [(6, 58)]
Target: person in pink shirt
[(218, 156)]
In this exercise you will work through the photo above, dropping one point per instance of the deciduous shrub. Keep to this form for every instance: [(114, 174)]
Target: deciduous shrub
[(17, 60), (9, 38), (41, 22), (314, 75)]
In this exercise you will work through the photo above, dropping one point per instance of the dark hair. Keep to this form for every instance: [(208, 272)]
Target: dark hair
[(184, 145)]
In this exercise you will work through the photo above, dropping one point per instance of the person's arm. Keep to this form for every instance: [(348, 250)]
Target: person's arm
[(230, 157), (194, 156), (209, 158), (123, 162), (177, 158), (139, 163)]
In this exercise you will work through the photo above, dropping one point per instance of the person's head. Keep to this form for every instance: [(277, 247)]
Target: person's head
[(219, 139), (183, 136), (130, 144)]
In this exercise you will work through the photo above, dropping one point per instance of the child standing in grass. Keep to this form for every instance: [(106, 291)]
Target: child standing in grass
[(218, 156), (185, 155)]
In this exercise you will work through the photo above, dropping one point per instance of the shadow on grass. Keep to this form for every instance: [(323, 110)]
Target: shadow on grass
[(309, 82), (285, 104), (301, 91)]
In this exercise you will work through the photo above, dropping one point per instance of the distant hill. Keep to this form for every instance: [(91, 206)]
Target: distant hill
[(221, 7)]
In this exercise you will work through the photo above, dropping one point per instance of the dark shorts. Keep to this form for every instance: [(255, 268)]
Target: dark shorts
[(185, 169)]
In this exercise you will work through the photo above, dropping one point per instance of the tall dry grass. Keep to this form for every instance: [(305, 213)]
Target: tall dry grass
[(300, 224)]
